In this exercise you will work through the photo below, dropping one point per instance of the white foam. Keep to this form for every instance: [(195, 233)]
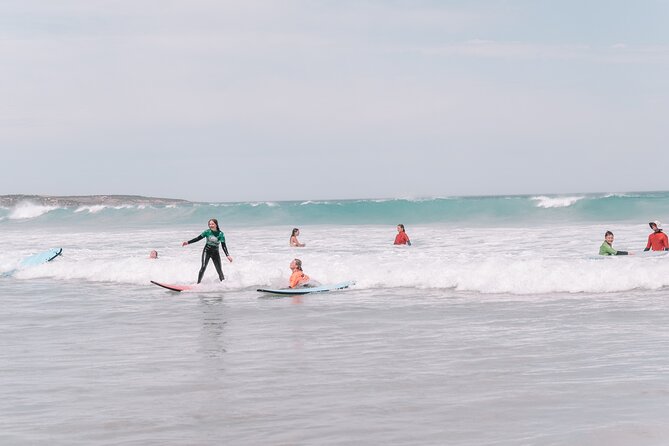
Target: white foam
[(556, 202), (490, 260), (93, 209), (304, 203), (26, 210), (254, 204)]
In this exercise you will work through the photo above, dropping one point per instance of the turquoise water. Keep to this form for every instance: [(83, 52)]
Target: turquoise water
[(478, 211)]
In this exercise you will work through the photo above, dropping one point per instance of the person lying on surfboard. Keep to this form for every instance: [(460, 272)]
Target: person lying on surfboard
[(297, 278), (214, 237)]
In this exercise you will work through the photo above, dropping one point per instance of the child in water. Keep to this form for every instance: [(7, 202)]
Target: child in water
[(607, 247), (293, 239), (402, 238)]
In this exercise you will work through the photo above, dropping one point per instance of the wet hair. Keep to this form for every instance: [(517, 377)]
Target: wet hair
[(216, 223), (298, 264), (153, 254), (295, 230), (608, 233), (401, 226)]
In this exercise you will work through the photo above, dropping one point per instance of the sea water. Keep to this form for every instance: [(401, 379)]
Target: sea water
[(500, 325)]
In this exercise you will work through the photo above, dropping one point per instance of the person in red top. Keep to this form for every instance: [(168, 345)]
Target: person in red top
[(402, 238), (297, 278), (657, 241)]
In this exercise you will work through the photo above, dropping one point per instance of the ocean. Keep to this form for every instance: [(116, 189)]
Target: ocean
[(500, 325)]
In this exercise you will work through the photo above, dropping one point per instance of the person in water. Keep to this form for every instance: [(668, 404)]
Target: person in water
[(153, 254), (657, 241), (607, 247), (402, 238), (214, 237), (293, 239), (297, 278)]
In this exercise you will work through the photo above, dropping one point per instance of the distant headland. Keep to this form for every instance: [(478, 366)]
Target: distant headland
[(87, 200)]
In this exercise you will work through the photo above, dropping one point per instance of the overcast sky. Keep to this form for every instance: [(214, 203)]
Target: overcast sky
[(277, 100)]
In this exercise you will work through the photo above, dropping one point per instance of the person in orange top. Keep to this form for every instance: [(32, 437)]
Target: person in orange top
[(658, 239), (402, 238), (297, 278)]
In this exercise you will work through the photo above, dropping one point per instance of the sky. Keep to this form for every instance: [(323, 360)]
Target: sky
[(211, 100)]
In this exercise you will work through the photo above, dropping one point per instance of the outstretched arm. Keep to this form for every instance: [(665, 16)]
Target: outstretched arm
[(196, 239)]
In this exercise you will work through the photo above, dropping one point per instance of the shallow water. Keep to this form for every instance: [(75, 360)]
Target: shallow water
[(499, 326), (105, 363)]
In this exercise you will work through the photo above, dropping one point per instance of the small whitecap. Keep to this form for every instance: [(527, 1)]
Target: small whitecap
[(556, 202)]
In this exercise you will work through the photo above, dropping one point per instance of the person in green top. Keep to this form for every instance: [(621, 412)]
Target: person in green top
[(607, 247), (214, 237)]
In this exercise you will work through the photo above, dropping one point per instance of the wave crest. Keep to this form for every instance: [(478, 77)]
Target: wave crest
[(26, 210), (556, 202)]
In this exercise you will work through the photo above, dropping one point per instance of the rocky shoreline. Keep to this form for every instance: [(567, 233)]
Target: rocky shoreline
[(87, 200)]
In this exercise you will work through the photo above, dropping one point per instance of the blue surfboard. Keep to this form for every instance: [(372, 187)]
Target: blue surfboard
[(34, 260), (308, 289), (41, 257)]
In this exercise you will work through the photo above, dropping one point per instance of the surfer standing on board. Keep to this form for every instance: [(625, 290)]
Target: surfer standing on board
[(214, 237), (297, 278)]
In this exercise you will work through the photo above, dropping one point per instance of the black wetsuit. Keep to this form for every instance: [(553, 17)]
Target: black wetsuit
[(210, 251)]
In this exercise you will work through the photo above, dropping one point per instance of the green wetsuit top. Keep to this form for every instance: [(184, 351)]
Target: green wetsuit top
[(607, 250), (213, 239)]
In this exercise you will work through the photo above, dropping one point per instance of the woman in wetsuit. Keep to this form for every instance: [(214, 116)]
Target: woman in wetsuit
[(214, 237)]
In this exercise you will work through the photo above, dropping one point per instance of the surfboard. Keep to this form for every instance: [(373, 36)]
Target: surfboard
[(177, 288), (307, 289), (653, 253), (41, 257), (34, 260), (637, 255)]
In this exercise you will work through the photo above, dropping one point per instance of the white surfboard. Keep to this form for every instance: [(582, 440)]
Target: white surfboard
[(308, 289)]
